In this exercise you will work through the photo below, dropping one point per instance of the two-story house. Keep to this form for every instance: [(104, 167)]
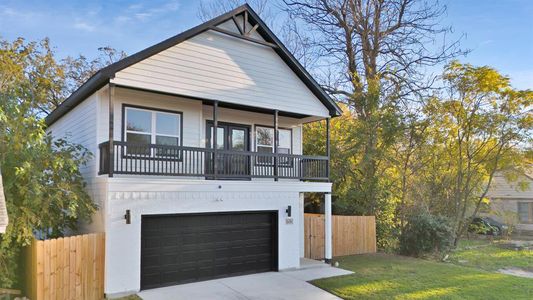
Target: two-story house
[(198, 170)]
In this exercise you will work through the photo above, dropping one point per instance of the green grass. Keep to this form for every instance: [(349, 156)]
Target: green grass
[(382, 276), (488, 256)]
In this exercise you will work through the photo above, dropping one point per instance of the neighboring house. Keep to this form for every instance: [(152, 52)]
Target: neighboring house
[(174, 208), (3, 210), (511, 198)]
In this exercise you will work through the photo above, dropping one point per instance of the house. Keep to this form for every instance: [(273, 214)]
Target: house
[(174, 207), (3, 210), (513, 199)]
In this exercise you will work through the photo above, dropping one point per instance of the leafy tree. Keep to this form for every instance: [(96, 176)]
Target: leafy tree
[(43, 187), (479, 126), (79, 69)]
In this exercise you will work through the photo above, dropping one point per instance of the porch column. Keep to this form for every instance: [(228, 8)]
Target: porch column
[(276, 142), (111, 93), (328, 150), (328, 234), (215, 129), (302, 225)]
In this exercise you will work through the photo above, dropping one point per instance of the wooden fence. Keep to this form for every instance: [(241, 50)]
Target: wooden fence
[(66, 268), (351, 235)]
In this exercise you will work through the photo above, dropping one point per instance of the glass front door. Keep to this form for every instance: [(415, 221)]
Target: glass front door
[(231, 139)]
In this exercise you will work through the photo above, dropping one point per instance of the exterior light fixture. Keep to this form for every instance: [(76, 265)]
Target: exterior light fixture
[(127, 216), (289, 211)]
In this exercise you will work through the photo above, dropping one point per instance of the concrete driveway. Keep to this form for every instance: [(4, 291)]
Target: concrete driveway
[(272, 285)]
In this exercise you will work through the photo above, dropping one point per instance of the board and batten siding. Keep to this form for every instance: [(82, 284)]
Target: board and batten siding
[(216, 66)]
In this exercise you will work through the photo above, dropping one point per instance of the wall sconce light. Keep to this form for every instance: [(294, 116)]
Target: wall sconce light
[(127, 216), (289, 211)]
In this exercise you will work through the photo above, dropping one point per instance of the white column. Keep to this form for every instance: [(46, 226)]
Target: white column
[(302, 226), (327, 219)]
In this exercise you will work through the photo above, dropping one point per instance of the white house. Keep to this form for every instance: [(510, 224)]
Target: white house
[(513, 197), (174, 208)]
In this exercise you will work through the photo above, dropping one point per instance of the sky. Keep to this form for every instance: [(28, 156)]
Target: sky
[(499, 33)]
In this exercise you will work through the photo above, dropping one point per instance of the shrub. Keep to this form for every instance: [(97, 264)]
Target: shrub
[(425, 233)]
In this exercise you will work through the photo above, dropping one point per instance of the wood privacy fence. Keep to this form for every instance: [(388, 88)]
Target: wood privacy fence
[(66, 268), (351, 235)]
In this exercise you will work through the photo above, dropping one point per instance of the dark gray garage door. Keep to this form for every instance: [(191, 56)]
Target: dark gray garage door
[(193, 247)]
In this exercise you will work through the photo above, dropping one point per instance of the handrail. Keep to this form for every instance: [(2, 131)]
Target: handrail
[(166, 160)]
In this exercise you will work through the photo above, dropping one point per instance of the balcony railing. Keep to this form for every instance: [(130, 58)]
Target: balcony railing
[(142, 159)]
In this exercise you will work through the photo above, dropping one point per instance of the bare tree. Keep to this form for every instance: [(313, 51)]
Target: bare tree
[(375, 55), (211, 9)]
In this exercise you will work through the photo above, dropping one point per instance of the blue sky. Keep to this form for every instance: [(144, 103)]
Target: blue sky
[(499, 32)]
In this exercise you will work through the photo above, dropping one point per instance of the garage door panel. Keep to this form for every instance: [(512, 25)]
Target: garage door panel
[(186, 248)]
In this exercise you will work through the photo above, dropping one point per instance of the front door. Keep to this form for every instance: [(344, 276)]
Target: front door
[(231, 139)]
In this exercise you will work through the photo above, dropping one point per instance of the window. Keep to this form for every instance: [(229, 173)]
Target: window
[(525, 212), (265, 143), (144, 127)]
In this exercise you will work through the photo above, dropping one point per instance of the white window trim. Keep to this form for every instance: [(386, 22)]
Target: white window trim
[(153, 133), (257, 144)]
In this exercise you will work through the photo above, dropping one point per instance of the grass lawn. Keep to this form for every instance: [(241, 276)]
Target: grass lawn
[(382, 276), (488, 256)]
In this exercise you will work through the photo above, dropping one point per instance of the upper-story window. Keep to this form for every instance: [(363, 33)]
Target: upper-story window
[(265, 140), (144, 126), (264, 143)]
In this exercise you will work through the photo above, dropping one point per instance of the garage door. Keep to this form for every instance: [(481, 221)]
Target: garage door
[(193, 247)]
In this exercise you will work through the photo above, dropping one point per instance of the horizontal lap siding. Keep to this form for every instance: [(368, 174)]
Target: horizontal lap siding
[(191, 109), (215, 66), (79, 126), (501, 188)]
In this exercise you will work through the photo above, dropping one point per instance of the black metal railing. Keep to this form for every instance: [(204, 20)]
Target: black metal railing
[(143, 159)]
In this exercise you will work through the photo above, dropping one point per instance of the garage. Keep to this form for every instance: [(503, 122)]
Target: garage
[(185, 248)]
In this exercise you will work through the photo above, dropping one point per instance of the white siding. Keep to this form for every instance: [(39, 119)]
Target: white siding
[(79, 126), (171, 196), (501, 188), (254, 119), (191, 109), (216, 66)]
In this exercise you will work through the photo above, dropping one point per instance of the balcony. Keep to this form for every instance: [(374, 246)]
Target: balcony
[(206, 163)]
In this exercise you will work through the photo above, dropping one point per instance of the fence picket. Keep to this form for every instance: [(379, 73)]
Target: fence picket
[(351, 235), (66, 268)]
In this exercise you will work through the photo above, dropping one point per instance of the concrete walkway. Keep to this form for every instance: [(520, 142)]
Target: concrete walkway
[(289, 284)]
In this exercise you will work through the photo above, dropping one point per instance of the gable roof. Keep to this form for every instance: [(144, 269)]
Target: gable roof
[(102, 77)]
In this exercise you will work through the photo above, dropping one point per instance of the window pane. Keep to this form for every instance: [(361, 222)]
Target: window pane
[(167, 124), (265, 136), (267, 160), (263, 149), (139, 120), (237, 139), (138, 144), (167, 141), (523, 212), (284, 139), (220, 137)]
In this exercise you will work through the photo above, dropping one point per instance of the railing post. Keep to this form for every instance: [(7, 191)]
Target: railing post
[(215, 128), (111, 93), (328, 150), (276, 142)]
